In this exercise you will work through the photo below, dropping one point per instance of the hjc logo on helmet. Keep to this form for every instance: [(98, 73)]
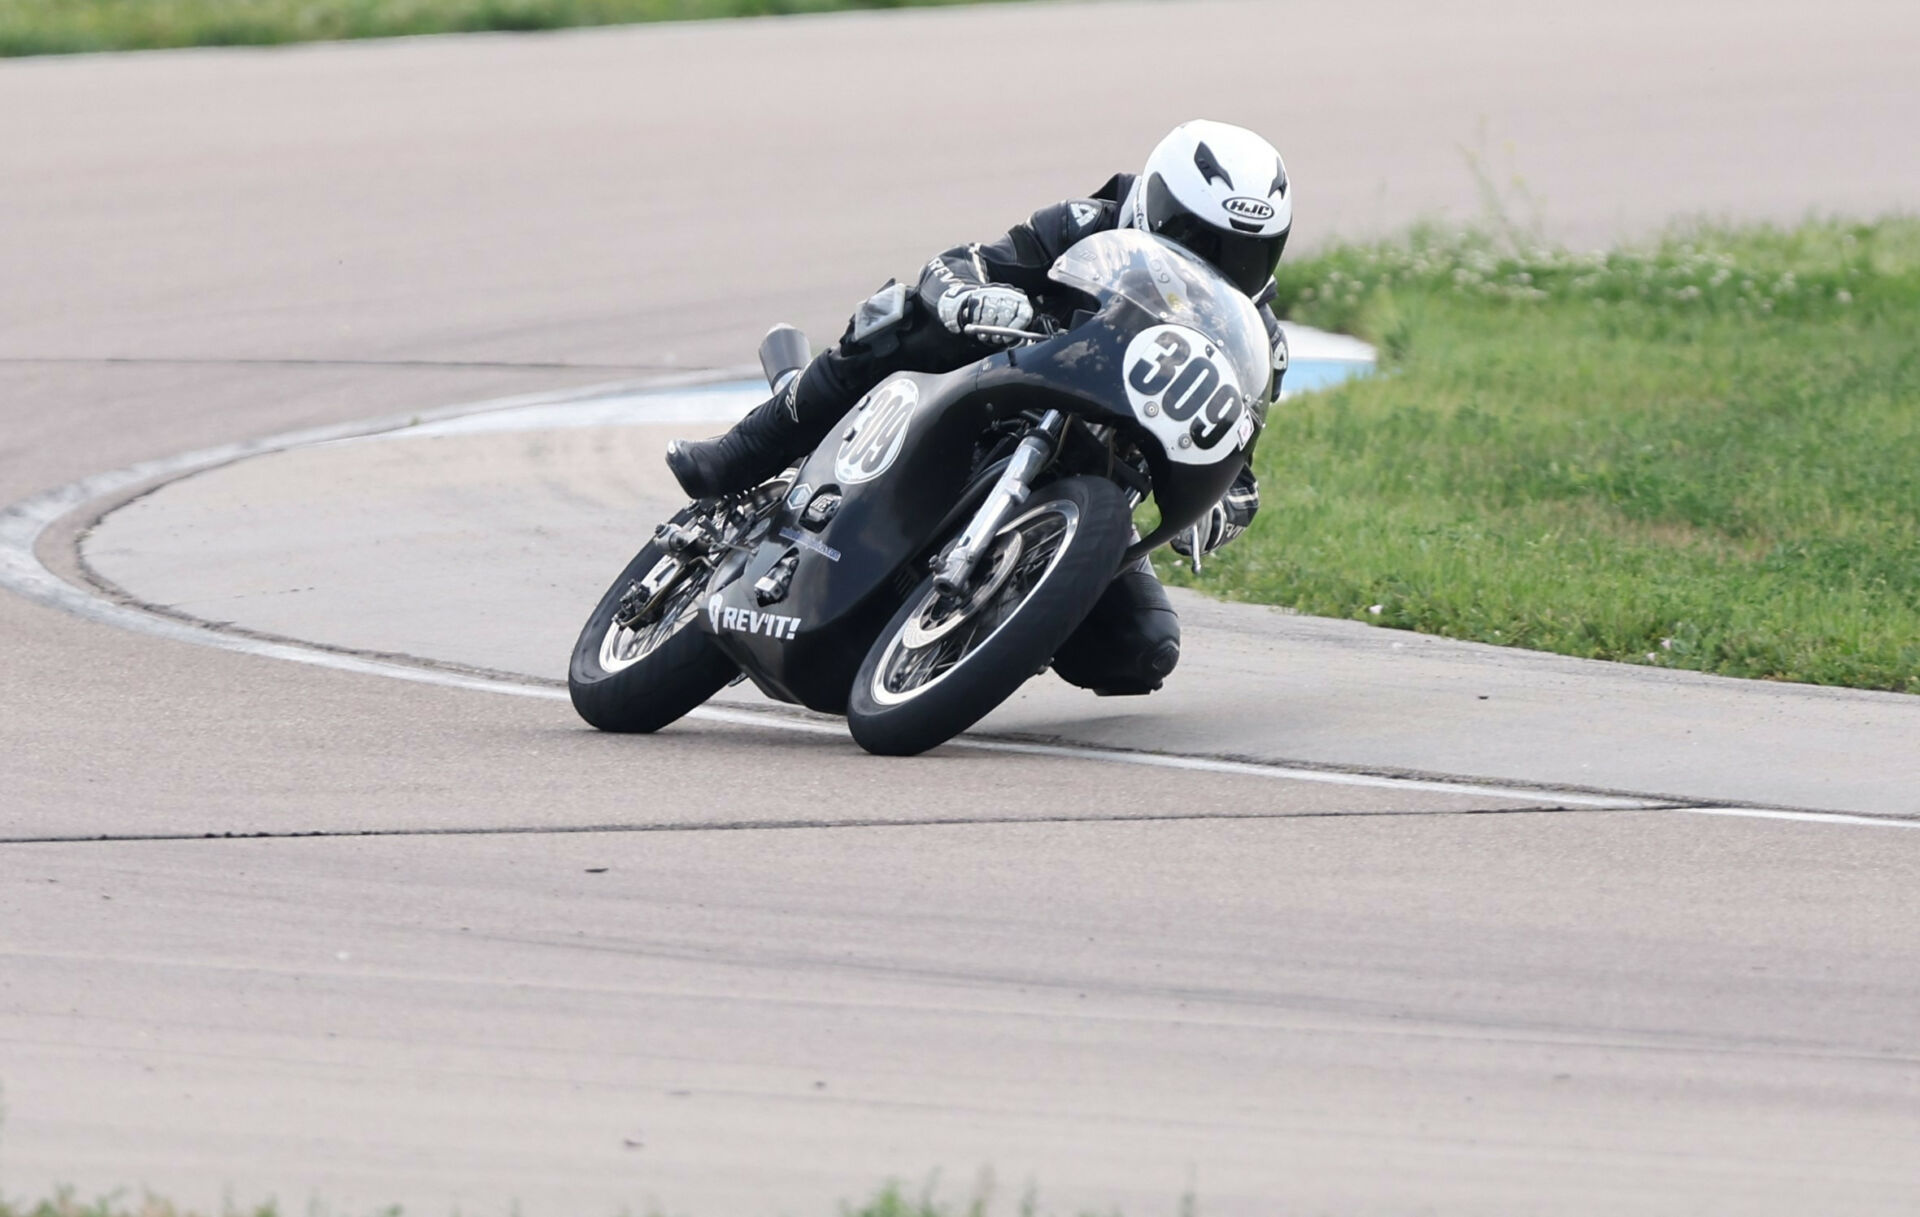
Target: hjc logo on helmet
[(1249, 208)]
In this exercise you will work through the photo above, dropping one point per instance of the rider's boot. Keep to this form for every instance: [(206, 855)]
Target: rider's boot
[(771, 437), (1129, 643)]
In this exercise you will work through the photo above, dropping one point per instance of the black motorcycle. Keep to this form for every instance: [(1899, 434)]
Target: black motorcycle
[(939, 547)]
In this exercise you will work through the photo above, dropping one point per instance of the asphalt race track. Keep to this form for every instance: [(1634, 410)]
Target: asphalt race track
[(312, 886)]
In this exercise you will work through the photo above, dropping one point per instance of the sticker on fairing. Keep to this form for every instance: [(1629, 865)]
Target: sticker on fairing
[(1185, 394), (806, 540), (748, 621), (879, 432)]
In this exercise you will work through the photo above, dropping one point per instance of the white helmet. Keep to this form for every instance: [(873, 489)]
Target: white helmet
[(1221, 191)]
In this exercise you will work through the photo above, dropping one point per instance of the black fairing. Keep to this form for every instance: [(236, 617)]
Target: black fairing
[(863, 561), (842, 602)]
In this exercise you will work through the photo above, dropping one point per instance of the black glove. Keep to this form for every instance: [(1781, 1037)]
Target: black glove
[(1226, 519)]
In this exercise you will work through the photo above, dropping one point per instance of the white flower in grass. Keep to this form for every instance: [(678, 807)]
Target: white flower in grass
[(1843, 296), (1376, 609)]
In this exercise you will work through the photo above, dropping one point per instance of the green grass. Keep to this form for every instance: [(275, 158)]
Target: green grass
[(47, 27), (893, 1200), (1702, 454), (66, 1204)]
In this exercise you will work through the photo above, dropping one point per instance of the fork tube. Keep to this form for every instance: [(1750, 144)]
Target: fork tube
[(1008, 493)]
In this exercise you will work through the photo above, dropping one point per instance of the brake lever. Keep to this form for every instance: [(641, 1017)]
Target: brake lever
[(1004, 331)]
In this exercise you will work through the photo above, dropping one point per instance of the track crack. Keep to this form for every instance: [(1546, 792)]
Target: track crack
[(788, 825)]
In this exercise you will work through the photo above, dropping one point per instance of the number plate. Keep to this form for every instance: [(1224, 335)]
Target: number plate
[(879, 432), (1184, 393)]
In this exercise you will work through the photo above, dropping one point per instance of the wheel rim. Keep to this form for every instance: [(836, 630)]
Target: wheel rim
[(626, 645), (941, 635)]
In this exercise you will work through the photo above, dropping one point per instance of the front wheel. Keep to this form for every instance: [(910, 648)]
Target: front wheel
[(641, 660), (945, 661)]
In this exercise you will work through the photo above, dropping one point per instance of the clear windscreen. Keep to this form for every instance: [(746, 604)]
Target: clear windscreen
[(1175, 288)]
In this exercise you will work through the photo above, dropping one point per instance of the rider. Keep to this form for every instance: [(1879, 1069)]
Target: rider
[(1218, 190)]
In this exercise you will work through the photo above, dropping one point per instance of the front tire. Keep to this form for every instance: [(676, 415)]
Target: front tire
[(642, 678), (943, 663)]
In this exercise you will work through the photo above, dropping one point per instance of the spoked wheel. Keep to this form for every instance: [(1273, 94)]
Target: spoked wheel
[(630, 641), (640, 663), (945, 661)]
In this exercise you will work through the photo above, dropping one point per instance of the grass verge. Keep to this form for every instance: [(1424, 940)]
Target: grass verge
[(66, 1204), (1700, 454), (893, 1200), (49, 27)]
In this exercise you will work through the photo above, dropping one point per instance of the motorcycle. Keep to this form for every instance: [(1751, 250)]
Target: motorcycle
[(938, 548)]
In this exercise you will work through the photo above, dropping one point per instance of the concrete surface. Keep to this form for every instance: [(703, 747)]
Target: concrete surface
[(1633, 1013), (1430, 1012)]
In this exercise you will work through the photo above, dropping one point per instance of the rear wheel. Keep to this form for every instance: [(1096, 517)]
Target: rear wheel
[(641, 661), (945, 661)]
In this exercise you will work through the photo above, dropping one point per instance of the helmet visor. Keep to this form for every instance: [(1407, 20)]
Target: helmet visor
[(1247, 260)]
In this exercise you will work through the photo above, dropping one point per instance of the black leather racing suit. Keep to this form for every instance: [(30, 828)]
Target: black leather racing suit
[(1131, 639)]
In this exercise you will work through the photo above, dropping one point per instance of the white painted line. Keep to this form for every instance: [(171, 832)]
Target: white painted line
[(1320, 359), (1805, 817), (1329, 777), (23, 523), (21, 570), (709, 405), (1207, 764)]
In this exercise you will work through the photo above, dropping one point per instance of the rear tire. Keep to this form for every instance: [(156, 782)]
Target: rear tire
[(938, 667), (634, 681)]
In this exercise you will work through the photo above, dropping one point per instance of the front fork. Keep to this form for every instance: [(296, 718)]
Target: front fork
[(953, 569), (650, 590), (691, 548)]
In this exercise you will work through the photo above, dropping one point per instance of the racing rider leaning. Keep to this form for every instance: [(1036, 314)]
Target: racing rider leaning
[(1220, 191)]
